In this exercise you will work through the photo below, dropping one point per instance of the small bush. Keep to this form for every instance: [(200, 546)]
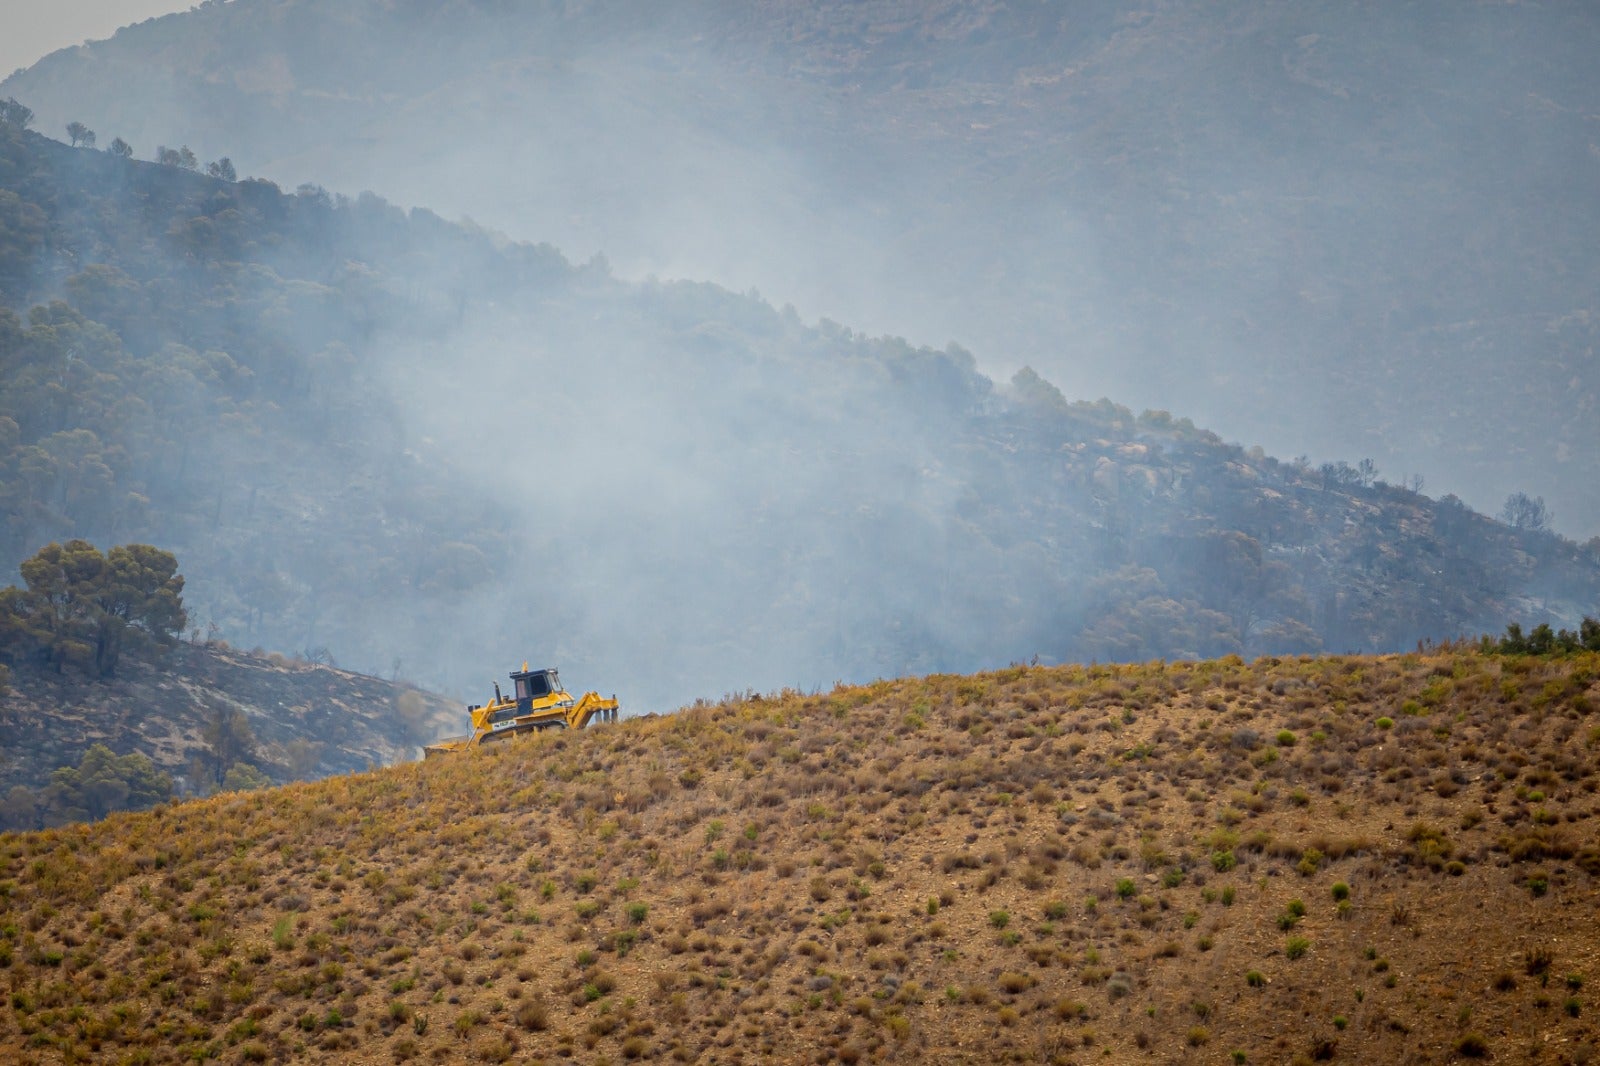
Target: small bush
[(1015, 982), (1296, 947), (532, 1014)]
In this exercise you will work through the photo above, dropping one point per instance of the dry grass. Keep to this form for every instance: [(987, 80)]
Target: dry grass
[(1065, 865)]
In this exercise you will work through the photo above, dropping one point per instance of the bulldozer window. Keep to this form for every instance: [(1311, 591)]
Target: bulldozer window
[(533, 686)]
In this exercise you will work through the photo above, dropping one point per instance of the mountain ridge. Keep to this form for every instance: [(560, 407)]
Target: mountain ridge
[(394, 437), (1309, 229)]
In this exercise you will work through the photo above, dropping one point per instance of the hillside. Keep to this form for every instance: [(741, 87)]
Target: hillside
[(1292, 860), (420, 449), (308, 720), (1347, 232)]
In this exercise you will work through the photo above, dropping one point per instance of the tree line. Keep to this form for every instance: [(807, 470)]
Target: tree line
[(1543, 640), (20, 116)]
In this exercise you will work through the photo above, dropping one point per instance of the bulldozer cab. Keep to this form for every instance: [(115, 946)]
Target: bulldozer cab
[(532, 685)]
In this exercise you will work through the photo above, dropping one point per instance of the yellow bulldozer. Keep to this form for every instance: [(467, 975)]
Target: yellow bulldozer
[(537, 702)]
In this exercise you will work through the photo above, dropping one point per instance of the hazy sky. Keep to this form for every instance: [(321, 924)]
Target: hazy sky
[(30, 29)]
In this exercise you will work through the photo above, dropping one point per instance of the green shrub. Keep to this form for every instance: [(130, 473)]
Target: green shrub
[(1296, 947), (1340, 890)]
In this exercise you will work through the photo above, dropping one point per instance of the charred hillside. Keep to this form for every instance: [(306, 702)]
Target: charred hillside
[(300, 720), (1358, 859)]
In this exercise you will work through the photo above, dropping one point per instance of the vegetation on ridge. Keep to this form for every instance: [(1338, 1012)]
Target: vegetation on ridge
[(1118, 863)]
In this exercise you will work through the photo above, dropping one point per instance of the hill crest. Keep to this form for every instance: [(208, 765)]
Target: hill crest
[(1118, 863)]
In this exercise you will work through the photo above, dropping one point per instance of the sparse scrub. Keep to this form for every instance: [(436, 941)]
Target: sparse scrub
[(971, 900)]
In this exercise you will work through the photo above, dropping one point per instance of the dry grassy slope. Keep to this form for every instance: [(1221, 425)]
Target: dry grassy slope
[(47, 720), (1111, 852)]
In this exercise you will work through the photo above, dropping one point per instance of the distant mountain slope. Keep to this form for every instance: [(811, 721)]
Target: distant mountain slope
[(1363, 230), (309, 720), (1373, 860), (387, 437)]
